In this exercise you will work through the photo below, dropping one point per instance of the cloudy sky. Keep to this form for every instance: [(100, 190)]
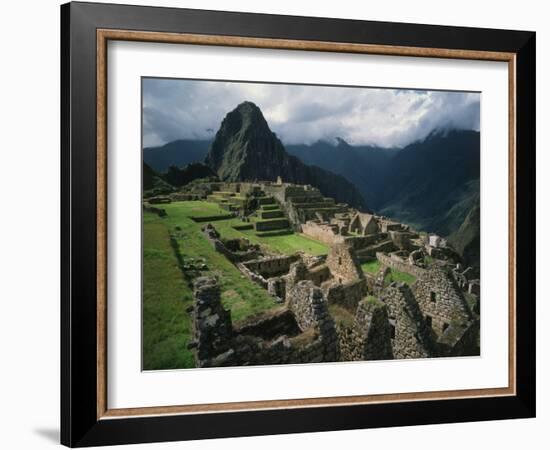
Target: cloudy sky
[(189, 109)]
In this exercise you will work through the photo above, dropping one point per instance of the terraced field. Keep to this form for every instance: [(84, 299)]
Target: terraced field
[(167, 289)]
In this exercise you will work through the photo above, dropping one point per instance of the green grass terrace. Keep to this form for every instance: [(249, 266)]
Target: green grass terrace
[(278, 241), (372, 267), (167, 289)]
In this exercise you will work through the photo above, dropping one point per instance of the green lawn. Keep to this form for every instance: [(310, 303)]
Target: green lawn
[(284, 244), (396, 275), (239, 294), (371, 266), (197, 208), (166, 292), (289, 244), (166, 325)]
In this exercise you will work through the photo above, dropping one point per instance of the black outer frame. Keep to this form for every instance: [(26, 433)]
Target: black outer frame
[(79, 423)]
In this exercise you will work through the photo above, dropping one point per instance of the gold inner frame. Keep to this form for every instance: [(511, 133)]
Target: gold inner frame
[(104, 35)]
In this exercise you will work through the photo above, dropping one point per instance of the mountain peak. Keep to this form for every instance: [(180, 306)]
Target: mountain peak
[(248, 110), (247, 107), (245, 117), (245, 149), (243, 142)]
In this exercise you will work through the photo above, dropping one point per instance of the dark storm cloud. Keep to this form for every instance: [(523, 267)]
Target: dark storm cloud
[(178, 109)]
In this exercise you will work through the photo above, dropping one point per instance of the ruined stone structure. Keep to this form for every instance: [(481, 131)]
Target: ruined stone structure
[(302, 332), (410, 334), (441, 300), (343, 265), (364, 224), (370, 335), (399, 264), (235, 250), (324, 232), (302, 203), (328, 308), (212, 328), (347, 295)]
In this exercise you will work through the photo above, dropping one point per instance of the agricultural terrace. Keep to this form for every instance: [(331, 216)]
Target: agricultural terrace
[(175, 250)]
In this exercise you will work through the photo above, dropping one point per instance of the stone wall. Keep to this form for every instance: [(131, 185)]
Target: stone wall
[(235, 257), (361, 242), (271, 214), (325, 233), (161, 212), (304, 333), (440, 299), (188, 196), (276, 287), (212, 218), (310, 309), (399, 265), (347, 295), (271, 267), (402, 239), (343, 264), (275, 191), (460, 340), (212, 329), (252, 276), (307, 303), (297, 272), (386, 226), (411, 336), (382, 246), (318, 274), (272, 224), (300, 272), (369, 338), (269, 325), (249, 188)]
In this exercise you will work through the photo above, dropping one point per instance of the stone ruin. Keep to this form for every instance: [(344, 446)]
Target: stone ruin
[(326, 308), (372, 320), (300, 332), (235, 250)]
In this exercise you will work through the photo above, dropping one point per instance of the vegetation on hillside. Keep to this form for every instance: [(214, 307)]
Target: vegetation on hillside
[(153, 184), (466, 240), (181, 176)]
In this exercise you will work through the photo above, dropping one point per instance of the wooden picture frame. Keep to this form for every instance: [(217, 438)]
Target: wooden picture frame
[(86, 418)]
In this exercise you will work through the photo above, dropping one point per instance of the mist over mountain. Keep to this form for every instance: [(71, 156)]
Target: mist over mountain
[(245, 149)]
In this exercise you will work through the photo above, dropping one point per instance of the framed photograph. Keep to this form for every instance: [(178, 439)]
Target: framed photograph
[(276, 224)]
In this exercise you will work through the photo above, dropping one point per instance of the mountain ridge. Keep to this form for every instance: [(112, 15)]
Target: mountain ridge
[(245, 149), (431, 184)]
